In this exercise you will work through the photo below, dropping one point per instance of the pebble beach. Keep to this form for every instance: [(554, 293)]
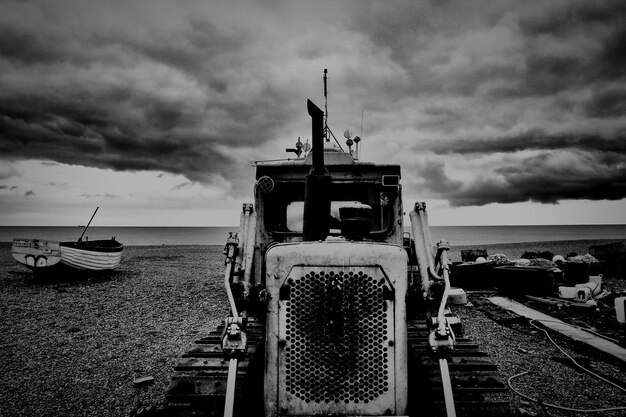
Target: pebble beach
[(73, 347)]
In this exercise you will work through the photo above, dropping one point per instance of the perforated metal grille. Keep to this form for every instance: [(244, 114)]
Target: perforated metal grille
[(337, 346)]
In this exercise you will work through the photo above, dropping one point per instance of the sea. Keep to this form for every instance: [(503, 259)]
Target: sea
[(455, 235)]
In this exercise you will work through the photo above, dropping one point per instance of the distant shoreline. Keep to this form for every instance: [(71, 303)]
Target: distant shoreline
[(178, 236), (512, 250), (470, 246), (515, 250), (237, 226)]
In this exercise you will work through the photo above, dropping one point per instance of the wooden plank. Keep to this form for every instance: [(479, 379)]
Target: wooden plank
[(557, 301), (561, 327)]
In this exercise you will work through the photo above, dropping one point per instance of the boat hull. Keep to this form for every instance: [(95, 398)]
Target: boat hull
[(36, 254), (42, 255), (98, 255)]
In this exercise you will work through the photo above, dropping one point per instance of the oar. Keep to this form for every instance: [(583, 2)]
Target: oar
[(86, 227)]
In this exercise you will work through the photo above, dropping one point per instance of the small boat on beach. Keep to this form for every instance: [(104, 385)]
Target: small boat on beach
[(40, 255), (82, 255), (36, 253), (95, 255)]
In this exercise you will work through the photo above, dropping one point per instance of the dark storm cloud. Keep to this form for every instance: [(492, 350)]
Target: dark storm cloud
[(155, 135), (562, 166), (188, 90), (534, 49), (607, 103), (570, 45), (199, 50), (600, 22), (534, 139), (537, 179), (128, 129), (564, 18), (127, 101), (432, 177), (60, 137), (25, 47)]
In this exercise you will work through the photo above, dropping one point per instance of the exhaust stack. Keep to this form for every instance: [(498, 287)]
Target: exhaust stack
[(317, 183)]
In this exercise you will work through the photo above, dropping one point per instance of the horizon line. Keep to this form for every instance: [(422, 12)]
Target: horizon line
[(406, 225)]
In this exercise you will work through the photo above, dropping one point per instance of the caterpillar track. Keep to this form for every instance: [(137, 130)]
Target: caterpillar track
[(198, 385), (473, 375)]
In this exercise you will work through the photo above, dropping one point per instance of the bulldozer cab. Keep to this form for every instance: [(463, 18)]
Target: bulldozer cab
[(280, 189)]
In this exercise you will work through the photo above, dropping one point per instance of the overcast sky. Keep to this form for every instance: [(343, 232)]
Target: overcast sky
[(500, 112)]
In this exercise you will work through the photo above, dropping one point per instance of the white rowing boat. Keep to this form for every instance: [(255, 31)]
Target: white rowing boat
[(83, 255), (95, 255), (36, 253)]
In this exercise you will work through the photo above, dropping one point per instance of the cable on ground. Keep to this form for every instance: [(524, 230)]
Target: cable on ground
[(559, 407)]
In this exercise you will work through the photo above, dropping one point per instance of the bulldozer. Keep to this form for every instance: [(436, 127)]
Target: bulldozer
[(335, 309)]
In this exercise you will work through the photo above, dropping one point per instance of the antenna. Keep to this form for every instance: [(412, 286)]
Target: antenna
[(326, 106), (359, 137), (362, 113)]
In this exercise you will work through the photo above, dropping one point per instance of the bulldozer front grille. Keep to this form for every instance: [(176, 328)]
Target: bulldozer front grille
[(338, 327)]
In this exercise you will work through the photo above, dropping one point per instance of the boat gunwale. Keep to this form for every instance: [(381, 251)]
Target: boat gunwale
[(107, 245)]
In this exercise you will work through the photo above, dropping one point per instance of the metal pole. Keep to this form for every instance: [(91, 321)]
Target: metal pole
[(249, 248), (316, 216), (358, 154), (230, 388), (447, 388), (326, 106), (86, 227)]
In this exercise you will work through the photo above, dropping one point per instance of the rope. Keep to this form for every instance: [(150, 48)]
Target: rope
[(577, 410), (581, 328), (559, 407), (574, 360)]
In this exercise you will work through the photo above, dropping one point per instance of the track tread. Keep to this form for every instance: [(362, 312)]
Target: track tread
[(473, 376), (198, 385), (199, 382)]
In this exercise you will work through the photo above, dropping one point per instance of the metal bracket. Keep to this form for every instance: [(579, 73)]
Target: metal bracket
[(234, 345), (230, 249), (234, 338), (442, 337)]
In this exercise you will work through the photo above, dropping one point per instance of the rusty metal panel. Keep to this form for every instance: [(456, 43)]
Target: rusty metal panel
[(336, 332)]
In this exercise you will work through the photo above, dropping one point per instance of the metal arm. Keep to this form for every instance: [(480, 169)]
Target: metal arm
[(230, 252), (443, 265), (234, 339), (443, 337), (435, 268)]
